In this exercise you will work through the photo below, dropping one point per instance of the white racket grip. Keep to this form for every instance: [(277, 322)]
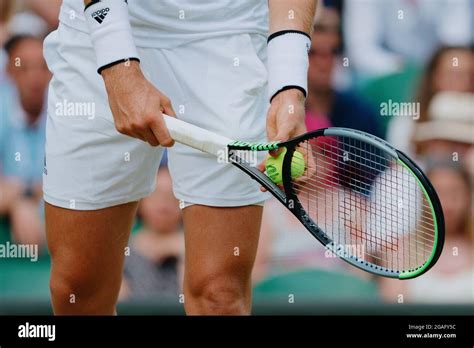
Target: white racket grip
[(196, 137)]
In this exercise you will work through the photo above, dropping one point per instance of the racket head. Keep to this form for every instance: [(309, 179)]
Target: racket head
[(365, 201)]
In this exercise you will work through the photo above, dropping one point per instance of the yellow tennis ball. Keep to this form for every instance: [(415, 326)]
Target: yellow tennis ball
[(274, 166)]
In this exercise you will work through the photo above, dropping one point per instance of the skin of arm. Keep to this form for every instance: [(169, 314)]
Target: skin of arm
[(49, 13), (136, 105), (286, 115)]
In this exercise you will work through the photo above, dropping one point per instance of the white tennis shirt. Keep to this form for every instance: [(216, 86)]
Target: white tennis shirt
[(170, 23)]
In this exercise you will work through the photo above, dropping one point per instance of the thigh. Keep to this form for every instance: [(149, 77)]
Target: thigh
[(88, 247), (220, 243)]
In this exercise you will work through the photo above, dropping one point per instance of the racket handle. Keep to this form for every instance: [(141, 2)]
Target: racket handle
[(196, 137)]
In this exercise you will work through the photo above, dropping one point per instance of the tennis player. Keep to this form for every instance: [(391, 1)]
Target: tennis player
[(117, 67)]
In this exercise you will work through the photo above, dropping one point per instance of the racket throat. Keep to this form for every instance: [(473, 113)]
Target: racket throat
[(260, 177)]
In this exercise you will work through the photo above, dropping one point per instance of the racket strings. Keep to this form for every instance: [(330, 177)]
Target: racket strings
[(366, 201), (334, 171)]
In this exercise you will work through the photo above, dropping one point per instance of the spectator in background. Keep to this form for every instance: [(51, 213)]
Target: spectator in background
[(155, 264), (34, 17), (6, 8), (326, 106), (5, 15), (382, 36), (451, 279), (449, 69), (22, 127), (26, 18), (449, 132), (47, 10)]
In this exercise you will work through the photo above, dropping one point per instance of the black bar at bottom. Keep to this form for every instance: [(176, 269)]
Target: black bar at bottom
[(430, 331)]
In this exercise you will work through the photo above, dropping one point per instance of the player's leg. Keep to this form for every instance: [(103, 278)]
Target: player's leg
[(218, 84), (92, 178), (87, 254), (221, 244)]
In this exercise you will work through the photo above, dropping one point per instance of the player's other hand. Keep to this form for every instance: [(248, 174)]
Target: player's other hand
[(285, 120), (137, 105), (286, 116)]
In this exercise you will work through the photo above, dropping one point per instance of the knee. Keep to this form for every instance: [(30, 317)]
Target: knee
[(70, 288), (79, 293), (220, 296)]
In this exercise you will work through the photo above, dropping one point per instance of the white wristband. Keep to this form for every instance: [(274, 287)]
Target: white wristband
[(288, 61), (110, 32)]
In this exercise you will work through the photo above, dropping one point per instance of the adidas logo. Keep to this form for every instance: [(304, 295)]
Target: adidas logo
[(100, 15)]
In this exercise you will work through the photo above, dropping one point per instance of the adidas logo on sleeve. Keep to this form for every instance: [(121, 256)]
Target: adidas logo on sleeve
[(100, 15)]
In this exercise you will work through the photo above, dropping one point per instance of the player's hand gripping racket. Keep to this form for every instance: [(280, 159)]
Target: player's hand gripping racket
[(362, 199)]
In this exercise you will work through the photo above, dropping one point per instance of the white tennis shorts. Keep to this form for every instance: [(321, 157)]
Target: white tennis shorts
[(218, 84)]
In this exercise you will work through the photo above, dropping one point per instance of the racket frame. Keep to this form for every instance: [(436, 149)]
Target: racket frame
[(212, 143), (290, 200)]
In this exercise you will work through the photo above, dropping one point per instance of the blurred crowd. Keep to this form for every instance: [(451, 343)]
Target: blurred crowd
[(365, 55)]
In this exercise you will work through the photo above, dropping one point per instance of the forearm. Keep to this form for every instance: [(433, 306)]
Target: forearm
[(291, 15), (289, 42), (288, 45), (110, 32), (135, 103)]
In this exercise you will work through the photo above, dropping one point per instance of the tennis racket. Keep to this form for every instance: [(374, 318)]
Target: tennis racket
[(365, 201)]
